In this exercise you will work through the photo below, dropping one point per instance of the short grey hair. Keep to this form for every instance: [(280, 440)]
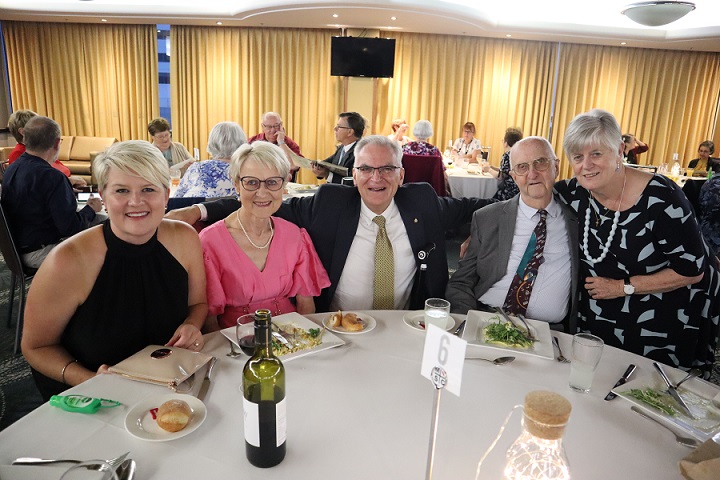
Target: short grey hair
[(422, 130), (596, 127), (224, 139), (40, 134), (265, 154), (549, 151), (133, 157), (381, 141), (270, 114)]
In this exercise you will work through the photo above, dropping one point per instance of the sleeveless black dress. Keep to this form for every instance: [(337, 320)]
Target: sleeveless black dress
[(140, 297)]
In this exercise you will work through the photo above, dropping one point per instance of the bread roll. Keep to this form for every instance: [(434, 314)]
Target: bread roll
[(336, 319), (352, 323), (173, 415)]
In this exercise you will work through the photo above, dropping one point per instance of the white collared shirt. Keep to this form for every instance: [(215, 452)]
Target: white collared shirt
[(551, 291), (346, 149), (355, 288)]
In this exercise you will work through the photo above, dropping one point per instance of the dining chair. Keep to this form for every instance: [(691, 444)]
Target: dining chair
[(425, 168), (19, 274)]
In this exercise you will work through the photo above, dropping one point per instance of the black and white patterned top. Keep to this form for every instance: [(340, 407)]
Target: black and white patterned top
[(679, 327)]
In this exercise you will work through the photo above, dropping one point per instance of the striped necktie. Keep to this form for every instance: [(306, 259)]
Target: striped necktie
[(384, 281)]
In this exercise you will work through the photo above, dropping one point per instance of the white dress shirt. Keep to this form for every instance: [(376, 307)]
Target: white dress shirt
[(355, 288), (551, 290), (346, 149)]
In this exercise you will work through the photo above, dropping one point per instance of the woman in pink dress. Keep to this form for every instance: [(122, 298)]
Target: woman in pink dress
[(254, 261)]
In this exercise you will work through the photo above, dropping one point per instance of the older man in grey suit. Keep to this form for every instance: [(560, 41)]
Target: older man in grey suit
[(523, 251)]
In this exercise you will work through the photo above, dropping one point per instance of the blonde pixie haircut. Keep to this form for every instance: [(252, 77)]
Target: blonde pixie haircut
[(265, 154), (133, 157)]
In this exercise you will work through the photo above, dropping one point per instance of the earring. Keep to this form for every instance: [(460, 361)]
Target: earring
[(617, 167)]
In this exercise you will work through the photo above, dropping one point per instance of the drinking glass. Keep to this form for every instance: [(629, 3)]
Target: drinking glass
[(245, 334), (586, 352), (437, 311), (175, 178)]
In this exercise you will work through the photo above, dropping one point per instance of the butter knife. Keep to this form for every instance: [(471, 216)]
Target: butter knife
[(672, 390), (206, 381), (623, 379)]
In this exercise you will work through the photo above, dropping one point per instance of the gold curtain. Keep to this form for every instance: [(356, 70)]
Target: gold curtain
[(668, 99), (450, 80), (236, 74), (94, 80)]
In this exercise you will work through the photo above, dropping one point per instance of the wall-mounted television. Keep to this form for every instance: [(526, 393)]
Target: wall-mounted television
[(362, 57)]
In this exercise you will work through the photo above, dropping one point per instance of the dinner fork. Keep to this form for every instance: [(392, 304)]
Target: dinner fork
[(113, 462), (560, 357), (527, 327)]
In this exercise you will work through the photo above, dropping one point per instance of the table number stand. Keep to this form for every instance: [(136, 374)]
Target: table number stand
[(439, 379)]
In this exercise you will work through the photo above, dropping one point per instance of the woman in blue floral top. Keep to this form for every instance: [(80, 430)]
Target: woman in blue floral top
[(211, 178), (420, 146)]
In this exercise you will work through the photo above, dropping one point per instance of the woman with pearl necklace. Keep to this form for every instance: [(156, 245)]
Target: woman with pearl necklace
[(650, 284)]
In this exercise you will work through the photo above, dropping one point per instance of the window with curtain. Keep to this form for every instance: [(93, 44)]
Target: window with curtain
[(94, 80)]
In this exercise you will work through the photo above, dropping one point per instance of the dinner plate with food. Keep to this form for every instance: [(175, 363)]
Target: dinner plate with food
[(486, 329), (650, 394), (349, 323), (416, 320), (294, 336), (165, 417)]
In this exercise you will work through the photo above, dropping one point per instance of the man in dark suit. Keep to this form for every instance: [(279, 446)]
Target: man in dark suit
[(348, 130), (500, 237), (341, 222)]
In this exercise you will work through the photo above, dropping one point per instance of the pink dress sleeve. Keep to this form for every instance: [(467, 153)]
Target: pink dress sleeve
[(212, 245), (309, 275)]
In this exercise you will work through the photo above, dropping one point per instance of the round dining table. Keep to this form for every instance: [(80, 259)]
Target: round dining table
[(363, 411), (469, 183)]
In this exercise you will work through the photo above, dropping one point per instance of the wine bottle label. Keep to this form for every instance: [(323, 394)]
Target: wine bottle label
[(252, 422)]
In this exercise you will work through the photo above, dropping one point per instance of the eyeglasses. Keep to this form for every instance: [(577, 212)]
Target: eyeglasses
[(253, 183), (384, 171), (338, 127), (540, 165), (276, 126)]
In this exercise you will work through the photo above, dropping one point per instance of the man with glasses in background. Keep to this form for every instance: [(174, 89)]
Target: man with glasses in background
[(523, 251), (273, 131), (348, 130), (393, 262)]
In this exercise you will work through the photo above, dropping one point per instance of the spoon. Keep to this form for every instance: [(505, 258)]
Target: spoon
[(496, 361), (691, 374), (233, 353), (684, 441)]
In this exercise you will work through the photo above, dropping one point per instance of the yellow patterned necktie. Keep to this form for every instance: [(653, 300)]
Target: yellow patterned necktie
[(384, 282)]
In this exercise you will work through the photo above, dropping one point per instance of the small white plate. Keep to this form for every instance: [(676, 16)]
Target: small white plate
[(416, 320), (140, 423), (477, 320), (370, 323)]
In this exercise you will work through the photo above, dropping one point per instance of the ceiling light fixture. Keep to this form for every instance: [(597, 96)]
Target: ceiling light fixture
[(657, 13), (335, 15), (103, 19), (393, 18), (218, 23)]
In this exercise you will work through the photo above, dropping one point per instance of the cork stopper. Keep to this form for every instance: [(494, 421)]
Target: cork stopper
[(546, 414)]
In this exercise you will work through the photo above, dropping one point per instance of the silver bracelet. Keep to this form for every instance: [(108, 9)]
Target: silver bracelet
[(62, 373)]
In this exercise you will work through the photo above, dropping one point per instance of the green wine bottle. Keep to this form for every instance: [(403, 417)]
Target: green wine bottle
[(264, 399)]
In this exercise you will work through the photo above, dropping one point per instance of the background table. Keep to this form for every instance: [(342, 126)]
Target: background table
[(467, 185), (362, 411)]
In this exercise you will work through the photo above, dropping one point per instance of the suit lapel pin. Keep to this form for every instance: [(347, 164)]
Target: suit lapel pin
[(415, 220)]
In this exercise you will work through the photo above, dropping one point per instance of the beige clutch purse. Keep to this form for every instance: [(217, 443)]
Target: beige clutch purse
[(169, 366)]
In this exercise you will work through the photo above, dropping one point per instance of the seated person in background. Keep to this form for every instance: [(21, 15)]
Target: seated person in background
[(709, 217), (523, 253), (399, 127), (254, 261), (422, 130), (467, 145), (211, 178), (16, 124), (274, 132), (344, 225), (137, 280), (633, 148), (38, 200), (349, 129), (705, 161), (507, 188), (176, 155)]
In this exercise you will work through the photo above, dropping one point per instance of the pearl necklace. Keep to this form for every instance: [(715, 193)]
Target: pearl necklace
[(586, 230), (259, 247)]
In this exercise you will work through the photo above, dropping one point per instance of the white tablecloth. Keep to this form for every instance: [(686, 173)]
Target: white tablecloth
[(363, 411), (467, 185)]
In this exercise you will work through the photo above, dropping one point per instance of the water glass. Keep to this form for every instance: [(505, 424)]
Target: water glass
[(175, 178), (437, 311), (586, 352)]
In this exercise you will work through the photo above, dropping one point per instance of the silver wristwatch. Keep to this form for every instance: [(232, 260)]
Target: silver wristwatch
[(629, 288)]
